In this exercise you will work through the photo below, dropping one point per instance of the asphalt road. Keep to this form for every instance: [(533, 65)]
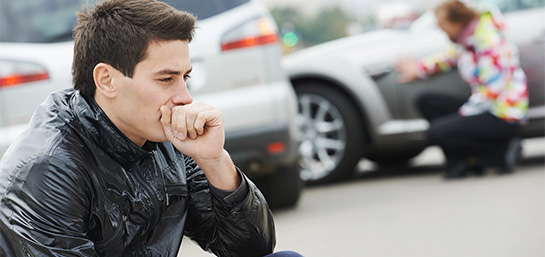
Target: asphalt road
[(412, 211)]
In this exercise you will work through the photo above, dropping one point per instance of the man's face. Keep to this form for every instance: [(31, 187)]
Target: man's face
[(159, 79)]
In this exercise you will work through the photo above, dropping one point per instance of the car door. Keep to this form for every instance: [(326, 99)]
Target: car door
[(422, 40)]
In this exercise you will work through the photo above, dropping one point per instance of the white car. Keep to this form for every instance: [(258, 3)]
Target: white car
[(351, 105), (236, 68)]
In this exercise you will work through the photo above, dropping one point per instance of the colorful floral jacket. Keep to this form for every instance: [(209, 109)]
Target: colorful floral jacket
[(491, 67)]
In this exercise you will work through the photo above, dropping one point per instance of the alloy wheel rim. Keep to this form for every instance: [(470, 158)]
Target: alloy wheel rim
[(323, 136)]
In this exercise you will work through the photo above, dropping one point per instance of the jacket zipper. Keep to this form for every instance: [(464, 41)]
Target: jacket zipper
[(153, 160), (156, 204), (126, 225), (162, 177)]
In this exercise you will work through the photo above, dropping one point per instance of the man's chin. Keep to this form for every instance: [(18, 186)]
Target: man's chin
[(159, 139), (162, 140)]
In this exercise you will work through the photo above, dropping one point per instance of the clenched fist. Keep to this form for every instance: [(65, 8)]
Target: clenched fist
[(197, 131)]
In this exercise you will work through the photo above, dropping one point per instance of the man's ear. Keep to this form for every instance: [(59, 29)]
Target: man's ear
[(103, 74)]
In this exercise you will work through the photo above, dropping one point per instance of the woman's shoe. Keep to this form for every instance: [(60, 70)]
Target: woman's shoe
[(512, 155), (459, 170), (475, 166), (477, 170)]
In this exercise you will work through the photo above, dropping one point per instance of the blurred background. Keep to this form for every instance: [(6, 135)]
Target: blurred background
[(314, 22), (315, 116)]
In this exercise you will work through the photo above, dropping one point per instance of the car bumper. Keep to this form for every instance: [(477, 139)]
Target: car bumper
[(259, 152)]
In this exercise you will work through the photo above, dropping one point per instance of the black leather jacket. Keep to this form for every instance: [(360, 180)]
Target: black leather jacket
[(74, 185)]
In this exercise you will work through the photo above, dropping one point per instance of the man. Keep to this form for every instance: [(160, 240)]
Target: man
[(126, 164), (481, 131)]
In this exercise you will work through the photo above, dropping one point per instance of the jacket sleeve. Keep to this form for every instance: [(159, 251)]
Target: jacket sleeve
[(42, 212), (438, 62), (244, 228), (498, 79)]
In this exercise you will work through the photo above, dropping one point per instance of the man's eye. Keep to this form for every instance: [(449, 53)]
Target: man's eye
[(165, 80), (186, 77)]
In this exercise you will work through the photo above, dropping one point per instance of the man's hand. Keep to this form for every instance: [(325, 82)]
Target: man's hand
[(197, 131), (194, 129)]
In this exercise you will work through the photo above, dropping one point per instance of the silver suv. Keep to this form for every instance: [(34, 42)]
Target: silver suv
[(351, 105), (236, 68)]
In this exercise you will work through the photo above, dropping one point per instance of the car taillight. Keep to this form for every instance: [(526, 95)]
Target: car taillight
[(260, 31), (13, 72), (276, 147)]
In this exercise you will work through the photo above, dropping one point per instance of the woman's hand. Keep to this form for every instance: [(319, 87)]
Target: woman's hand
[(407, 69)]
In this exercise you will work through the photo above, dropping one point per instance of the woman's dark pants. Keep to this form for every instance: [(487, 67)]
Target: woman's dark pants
[(484, 137)]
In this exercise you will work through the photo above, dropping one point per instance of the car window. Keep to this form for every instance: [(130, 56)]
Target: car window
[(513, 5), (38, 21), (205, 8), (45, 21)]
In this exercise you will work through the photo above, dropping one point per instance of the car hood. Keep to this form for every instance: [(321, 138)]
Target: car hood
[(365, 44), (349, 43), (371, 50)]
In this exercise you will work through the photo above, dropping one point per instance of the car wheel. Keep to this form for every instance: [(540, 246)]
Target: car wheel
[(332, 133), (283, 188)]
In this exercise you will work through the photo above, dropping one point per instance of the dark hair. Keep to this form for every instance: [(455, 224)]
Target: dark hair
[(118, 32), (457, 11)]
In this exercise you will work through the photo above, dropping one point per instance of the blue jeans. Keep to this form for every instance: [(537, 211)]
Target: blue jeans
[(284, 254)]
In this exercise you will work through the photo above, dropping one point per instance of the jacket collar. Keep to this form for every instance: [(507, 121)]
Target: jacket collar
[(101, 130)]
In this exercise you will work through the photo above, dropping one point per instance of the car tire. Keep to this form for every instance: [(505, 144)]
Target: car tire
[(283, 188), (331, 130)]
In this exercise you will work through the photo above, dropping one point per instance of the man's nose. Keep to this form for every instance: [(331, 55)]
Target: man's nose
[(181, 95)]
